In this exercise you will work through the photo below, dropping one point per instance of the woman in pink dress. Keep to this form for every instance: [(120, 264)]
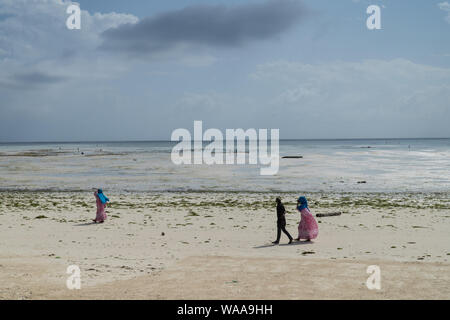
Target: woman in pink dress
[(101, 205), (307, 228)]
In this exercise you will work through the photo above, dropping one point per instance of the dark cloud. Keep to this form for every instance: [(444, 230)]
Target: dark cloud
[(4, 16), (211, 25), (30, 80), (37, 77)]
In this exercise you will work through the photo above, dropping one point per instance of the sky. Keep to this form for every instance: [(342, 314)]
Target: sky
[(137, 70)]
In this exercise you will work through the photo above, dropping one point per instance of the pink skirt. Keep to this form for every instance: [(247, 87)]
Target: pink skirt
[(101, 214), (307, 228)]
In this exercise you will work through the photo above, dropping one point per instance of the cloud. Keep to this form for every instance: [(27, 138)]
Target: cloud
[(31, 80), (37, 30), (445, 6), (42, 64), (206, 25), (37, 77), (37, 49), (370, 98), (56, 84)]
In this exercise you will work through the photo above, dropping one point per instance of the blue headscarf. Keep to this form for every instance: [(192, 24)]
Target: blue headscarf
[(303, 203), (101, 196)]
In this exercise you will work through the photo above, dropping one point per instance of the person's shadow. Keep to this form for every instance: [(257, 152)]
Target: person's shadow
[(84, 224), (294, 243), (265, 246)]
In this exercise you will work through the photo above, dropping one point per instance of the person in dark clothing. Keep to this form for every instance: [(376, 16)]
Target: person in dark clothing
[(281, 222)]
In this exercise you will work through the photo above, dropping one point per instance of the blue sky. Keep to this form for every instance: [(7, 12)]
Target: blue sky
[(315, 73)]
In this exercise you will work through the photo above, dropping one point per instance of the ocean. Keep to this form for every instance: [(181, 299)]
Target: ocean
[(372, 165)]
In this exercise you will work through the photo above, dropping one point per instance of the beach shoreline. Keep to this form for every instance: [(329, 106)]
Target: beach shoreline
[(151, 235)]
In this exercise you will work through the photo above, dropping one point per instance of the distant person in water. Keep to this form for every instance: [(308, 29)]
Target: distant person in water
[(101, 205), (281, 222), (307, 228)]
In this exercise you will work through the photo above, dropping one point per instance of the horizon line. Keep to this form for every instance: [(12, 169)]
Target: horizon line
[(288, 139)]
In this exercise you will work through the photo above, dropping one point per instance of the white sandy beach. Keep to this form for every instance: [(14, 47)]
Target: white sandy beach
[(218, 245)]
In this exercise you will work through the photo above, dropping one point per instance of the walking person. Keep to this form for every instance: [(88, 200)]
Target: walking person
[(307, 228), (101, 200), (281, 222)]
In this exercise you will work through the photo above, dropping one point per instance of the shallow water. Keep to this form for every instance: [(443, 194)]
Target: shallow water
[(397, 165)]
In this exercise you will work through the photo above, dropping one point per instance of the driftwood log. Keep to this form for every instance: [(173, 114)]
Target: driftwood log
[(331, 214), (292, 157)]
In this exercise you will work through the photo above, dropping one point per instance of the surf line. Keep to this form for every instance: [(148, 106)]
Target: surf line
[(231, 150)]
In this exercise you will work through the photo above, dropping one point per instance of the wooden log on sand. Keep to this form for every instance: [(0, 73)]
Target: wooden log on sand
[(292, 157), (331, 214)]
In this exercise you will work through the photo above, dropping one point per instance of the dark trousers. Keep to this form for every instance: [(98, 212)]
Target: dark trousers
[(281, 226)]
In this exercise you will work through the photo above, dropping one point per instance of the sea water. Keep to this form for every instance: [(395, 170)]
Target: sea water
[(378, 165)]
